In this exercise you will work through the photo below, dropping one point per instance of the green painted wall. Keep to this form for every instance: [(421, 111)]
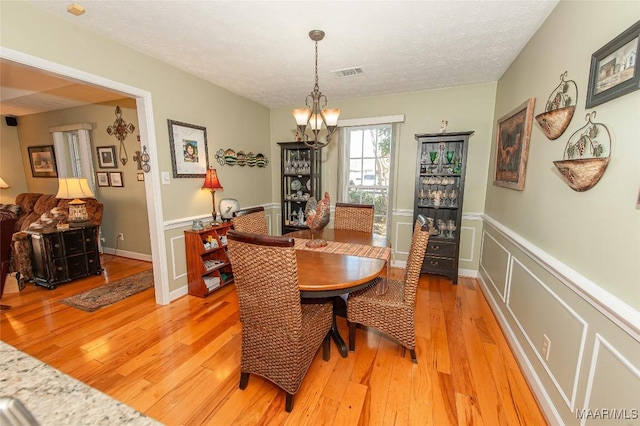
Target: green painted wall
[(466, 108), (596, 232)]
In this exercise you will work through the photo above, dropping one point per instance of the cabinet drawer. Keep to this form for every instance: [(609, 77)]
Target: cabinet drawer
[(56, 249), (59, 271), (73, 243), (441, 249), (77, 266), (437, 264), (93, 262)]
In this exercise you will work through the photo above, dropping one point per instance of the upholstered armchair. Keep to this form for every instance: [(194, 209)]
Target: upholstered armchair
[(7, 225)]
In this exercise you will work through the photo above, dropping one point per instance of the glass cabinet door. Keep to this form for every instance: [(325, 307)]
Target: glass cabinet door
[(300, 181)]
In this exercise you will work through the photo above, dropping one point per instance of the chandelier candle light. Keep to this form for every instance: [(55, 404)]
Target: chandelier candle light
[(75, 188), (314, 115), (212, 183)]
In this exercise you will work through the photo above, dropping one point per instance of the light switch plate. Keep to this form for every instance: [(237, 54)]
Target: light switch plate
[(166, 178)]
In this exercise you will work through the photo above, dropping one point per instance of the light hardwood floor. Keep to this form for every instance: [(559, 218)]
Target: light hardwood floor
[(180, 363)]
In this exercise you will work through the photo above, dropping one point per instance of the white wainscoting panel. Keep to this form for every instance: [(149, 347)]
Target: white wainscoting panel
[(617, 389), (495, 261), (537, 311), (470, 235), (178, 257)]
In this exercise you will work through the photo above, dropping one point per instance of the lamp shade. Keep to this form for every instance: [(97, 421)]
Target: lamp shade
[(211, 180), (74, 188), (3, 184)]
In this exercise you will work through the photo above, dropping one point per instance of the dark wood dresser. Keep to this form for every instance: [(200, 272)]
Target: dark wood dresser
[(61, 256)]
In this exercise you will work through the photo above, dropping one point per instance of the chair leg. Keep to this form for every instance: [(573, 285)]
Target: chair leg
[(326, 347), (352, 336), (244, 380), (288, 406), (414, 359)]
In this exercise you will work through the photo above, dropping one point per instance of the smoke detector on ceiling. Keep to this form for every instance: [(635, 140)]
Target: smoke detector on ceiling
[(348, 72)]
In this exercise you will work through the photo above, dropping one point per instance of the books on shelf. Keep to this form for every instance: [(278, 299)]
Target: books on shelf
[(212, 282), (210, 265)]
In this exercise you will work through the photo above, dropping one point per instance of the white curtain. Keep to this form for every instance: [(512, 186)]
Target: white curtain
[(74, 155)]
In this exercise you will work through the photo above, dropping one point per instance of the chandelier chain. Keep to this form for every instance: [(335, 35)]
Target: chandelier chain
[(317, 87)]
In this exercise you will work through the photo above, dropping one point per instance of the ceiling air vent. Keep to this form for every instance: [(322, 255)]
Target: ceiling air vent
[(348, 72)]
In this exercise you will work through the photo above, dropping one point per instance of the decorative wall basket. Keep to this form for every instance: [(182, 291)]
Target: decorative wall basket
[(586, 155), (559, 109), (582, 174)]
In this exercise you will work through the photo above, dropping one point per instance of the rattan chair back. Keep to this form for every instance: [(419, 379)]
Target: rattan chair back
[(353, 217), (252, 220), (416, 257), (280, 336)]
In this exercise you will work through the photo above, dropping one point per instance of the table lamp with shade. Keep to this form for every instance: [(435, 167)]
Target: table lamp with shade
[(74, 189), (212, 183)]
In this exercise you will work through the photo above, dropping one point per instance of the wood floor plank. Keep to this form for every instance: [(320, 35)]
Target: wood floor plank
[(351, 405), (421, 387), (180, 363)]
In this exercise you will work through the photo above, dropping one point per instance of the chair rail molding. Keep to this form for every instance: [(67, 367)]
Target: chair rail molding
[(619, 312)]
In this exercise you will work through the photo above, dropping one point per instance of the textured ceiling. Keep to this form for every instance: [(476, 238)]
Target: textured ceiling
[(261, 49)]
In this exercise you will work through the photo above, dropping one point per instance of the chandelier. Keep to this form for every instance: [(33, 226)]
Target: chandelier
[(315, 115)]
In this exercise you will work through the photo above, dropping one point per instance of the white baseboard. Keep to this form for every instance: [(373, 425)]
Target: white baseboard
[(176, 294), (128, 254)]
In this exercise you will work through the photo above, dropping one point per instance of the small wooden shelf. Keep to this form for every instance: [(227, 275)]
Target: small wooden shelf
[(198, 255)]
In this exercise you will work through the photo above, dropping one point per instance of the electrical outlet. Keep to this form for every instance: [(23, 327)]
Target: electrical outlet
[(546, 347), (121, 236)]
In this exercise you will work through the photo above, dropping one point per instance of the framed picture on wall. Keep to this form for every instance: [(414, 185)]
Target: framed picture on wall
[(512, 146), (189, 155), (614, 68), (116, 179), (102, 178), (43, 161), (107, 157)]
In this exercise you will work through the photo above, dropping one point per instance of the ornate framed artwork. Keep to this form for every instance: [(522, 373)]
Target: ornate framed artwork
[(189, 155), (43, 161), (102, 178), (512, 146), (107, 157), (116, 179), (614, 68)]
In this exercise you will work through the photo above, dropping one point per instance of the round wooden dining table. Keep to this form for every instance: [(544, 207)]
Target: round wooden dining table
[(329, 275)]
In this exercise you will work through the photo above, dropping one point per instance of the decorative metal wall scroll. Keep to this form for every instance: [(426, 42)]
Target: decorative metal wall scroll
[(120, 130), (142, 159), (559, 108), (586, 155), (231, 158)]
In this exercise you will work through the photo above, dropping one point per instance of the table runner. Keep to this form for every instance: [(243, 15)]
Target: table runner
[(351, 249)]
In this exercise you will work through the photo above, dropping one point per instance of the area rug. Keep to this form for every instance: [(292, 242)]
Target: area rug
[(96, 298)]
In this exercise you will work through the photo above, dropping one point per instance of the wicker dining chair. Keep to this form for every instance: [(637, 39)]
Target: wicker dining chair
[(393, 312), (280, 336), (353, 217), (251, 220)]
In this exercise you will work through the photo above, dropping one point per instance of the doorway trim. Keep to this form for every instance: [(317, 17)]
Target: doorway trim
[(147, 133)]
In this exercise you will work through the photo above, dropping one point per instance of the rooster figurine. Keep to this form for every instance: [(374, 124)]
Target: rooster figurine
[(318, 215)]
